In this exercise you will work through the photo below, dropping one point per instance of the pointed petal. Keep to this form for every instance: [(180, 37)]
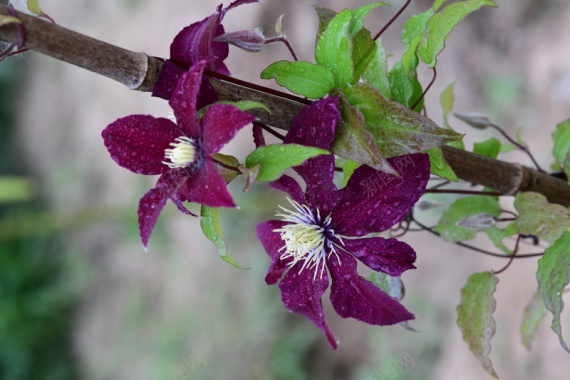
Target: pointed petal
[(167, 80), (354, 297), (390, 256), (321, 192), (301, 294), (150, 206), (258, 138), (194, 43), (183, 100), (206, 186), (315, 125), (137, 142), (272, 242), (374, 201), (220, 124), (291, 187), (237, 3)]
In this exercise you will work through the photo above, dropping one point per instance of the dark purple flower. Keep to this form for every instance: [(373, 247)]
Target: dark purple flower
[(181, 153), (193, 44), (326, 228)]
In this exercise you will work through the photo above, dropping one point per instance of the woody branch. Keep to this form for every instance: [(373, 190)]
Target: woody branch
[(138, 71)]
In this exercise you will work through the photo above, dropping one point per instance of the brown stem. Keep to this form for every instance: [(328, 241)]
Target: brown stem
[(138, 71)]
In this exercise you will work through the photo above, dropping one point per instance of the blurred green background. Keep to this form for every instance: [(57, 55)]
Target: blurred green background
[(80, 299)]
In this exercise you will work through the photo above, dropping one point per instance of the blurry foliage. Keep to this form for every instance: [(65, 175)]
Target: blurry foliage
[(36, 297)]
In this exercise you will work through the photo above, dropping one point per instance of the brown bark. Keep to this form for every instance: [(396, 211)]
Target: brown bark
[(139, 72)]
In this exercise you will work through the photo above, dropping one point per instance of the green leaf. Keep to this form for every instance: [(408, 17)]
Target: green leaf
[(358, 16), (376, 71), (496, 235), (533, 313), (348, 168), (301, 77), (401, 86), (275, 159), (463, 208), (325, 16), (478, 222), (437, 4), (566, 166), (553, 275), (397, 130), (440, 25), (33, 6), (352, 141), (475, 316), (363, 52), (439, 165), (210, 224), (415, 26), (561, 138), (224, 163), (334, 49), (488, 148), (245, 105), (393, 286), (537, 216), (4, 20), (447, 99)]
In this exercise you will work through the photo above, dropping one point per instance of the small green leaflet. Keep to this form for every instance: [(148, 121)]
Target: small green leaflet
[(210, 224), (561, 138), (497, 235), (461, 209), (533, 313), (334, 49), (275, 159), (33, 6), (352, 141), (488, 148), (566, 166), (553, 275), (447, 99), (439, 165), (376, 71), (537, 216), (475, 316), (397, 129), (242, 105), (440, 25), (301, 77), (393, 286)]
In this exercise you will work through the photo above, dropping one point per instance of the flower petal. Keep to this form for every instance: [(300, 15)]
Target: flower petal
[(258, 138), (220, 124), (315, 125), (183, 100), (206, 186), (390, 256), (291, 187), (374, 201), (353, 296), (150, 206), (272, 242), (301, 294), (137, 142), (167, 80)]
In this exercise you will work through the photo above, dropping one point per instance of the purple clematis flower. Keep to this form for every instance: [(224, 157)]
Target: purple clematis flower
[(326, 226), (181, 153), (193, 44)]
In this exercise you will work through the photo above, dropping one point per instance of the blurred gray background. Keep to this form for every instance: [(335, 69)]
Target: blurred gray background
[(178, 311)]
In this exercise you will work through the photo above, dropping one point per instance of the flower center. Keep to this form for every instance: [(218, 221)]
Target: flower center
[(307, 236), (182, 153)]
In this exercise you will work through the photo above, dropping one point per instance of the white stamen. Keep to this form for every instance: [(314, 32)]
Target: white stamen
[(307, 237), (182, 153)]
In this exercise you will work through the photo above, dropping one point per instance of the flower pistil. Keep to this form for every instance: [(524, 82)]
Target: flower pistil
[(182, 153)]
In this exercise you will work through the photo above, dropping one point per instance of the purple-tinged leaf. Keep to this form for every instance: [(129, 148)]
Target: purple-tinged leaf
[(397, 129), (475, 316), (227, 166), (354, 142), (210, 224), (534, 312), (138, 142), (553, 276), (537, 216)]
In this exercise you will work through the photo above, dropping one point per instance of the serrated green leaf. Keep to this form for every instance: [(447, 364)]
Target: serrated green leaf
[(4, 20), (488, 148), (553, 275), (475, 316), (496, 235), (561, 138), (397, 130), (210, 224), (533, 313), (393, 286), (334, 49), (376, 71), (415, 26), (440, 25), (224, 164), (439, 165), (275, 159), (301, 77), (352, 141), (463, 208), (537, 216)]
